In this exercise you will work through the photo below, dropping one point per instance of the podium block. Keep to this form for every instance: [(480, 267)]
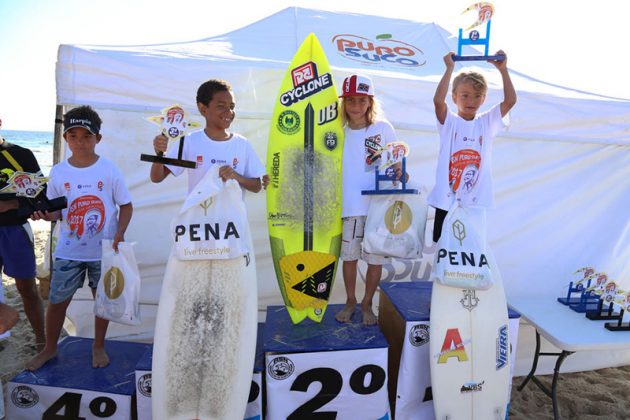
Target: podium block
[(326, 369), (143, 383), (404, 309), (68, 387)]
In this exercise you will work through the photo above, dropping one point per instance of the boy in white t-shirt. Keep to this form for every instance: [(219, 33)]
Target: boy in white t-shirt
[(466, 138), (214, 144), (99, 207), (365, 131)]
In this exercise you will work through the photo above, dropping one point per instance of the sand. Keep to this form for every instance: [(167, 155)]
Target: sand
[(598, 394)]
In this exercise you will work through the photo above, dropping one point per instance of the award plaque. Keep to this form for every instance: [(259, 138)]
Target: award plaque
[(175, 126), (31, 186), (485, 11)]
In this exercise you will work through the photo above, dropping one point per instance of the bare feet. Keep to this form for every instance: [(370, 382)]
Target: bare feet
[(100, 358), (345, 315), (40, 359), (368, 316)]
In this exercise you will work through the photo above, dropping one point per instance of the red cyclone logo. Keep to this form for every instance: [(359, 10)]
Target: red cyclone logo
[(383, 50)]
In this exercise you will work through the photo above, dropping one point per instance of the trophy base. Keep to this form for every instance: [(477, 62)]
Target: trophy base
[(168, 161), (478, 57)]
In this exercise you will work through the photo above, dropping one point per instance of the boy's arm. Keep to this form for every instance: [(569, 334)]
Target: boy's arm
[(9, 205), (250, 184), (158, 170), (509, 93), (439, 99), (124, 217)]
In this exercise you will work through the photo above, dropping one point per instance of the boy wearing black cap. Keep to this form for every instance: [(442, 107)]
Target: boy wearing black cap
[(99, 207)]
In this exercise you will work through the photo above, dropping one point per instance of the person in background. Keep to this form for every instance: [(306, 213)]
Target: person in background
[(92, 185), (17, 254)]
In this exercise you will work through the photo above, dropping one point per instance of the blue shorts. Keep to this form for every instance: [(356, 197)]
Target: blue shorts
[(17, 256), (68, 276)]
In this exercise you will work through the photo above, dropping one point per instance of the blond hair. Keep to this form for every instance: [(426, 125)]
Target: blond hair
[(373, 112), (476, 79)]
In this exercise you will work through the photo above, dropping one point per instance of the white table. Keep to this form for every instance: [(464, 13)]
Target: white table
[(566, 329)]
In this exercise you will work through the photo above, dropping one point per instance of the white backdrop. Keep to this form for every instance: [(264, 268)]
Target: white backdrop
[(561, 170)]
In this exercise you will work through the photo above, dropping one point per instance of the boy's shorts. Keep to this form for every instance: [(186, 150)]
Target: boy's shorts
[(352, 239), (68, 277), (17, 256)]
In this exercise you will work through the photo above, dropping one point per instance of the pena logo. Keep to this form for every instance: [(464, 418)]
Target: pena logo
[(306, 82), (398, 217), (383, 50), (114, 283), (280, 368), (289, 122), (24, 396)]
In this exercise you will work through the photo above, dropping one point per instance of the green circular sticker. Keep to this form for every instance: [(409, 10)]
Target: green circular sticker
[(289, 122)]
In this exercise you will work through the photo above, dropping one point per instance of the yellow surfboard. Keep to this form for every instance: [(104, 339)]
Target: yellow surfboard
[(304, 155)]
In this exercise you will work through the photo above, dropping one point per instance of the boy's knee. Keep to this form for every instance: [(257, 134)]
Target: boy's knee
[(27, 288)]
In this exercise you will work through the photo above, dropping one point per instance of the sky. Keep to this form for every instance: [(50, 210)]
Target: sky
[(579, 44)]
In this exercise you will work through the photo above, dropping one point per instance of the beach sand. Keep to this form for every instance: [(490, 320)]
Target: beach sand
[(598, 394)]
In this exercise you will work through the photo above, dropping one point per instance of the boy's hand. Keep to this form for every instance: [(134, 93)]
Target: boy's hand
[(448, 60), (118, 237), (8, 318), (160, 144), (47, 216), (265, 181), (227, 172), (502, 64)]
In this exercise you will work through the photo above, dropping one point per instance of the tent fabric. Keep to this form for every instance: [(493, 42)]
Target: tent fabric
[(561, 170)]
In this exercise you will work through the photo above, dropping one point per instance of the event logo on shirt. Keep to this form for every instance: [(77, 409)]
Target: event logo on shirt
[(199, 160), (234, 163), (464, 170), (99, 185), (66, 186), (86, 216), (384, 50)]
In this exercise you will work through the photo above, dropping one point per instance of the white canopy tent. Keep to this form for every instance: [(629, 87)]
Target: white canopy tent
[(561, 170)]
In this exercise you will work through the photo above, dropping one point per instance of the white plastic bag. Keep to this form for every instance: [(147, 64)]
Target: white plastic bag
[(395, 225), (212, 223), (118, 291), (463, 258)]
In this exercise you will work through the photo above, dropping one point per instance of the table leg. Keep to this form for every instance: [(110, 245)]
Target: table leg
[(551, 393), (534, 365), (554, 383)]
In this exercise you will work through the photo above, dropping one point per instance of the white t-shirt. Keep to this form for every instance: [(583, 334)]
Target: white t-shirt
[(357, 172), (236, 152), (93, 194), (464, 169)]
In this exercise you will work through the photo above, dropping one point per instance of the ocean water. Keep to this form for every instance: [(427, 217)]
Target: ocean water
[(40, 143)]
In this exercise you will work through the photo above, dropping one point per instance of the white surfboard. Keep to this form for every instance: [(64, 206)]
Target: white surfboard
[(469, 349), (205, 338)]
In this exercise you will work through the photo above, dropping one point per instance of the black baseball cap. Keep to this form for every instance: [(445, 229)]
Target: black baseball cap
[(85, 122)]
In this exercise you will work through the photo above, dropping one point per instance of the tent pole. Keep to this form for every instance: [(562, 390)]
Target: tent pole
[(58, 134)]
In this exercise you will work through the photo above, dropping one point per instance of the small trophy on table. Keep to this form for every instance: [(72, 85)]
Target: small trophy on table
[(485, 11), (175, 125), (31, 186)]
